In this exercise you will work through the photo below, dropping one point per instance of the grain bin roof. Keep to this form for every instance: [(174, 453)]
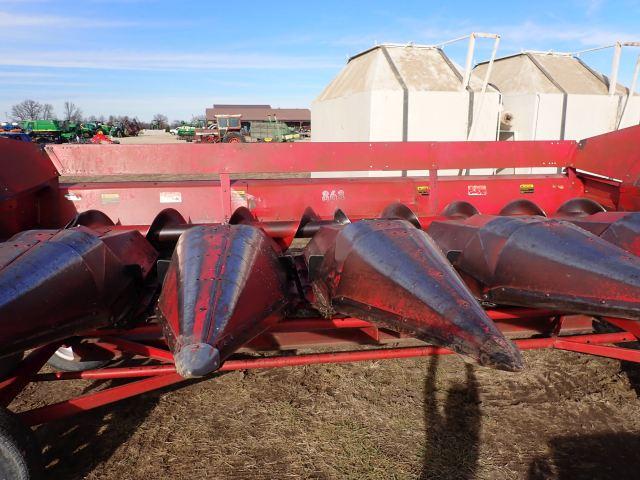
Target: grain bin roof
[(529, 72), (421, 68), (260, 112)]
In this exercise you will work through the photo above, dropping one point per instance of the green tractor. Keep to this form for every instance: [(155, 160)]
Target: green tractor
[(43, 131), (186, 132), (118, 130), (89, 129), (71, 132)]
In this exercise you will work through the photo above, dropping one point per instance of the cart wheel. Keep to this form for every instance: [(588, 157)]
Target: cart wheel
[(19, 453), (66, 360), (233, 137), (9, 364)]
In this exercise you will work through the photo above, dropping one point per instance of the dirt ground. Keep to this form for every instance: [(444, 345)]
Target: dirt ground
[(150, 137), (159, 136), (566, 417)]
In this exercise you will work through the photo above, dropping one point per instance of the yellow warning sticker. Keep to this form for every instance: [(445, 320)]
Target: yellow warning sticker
[(526, 188), (107, 198)]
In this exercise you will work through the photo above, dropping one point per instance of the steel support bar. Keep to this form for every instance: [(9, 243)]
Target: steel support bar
[(276, 361), (225, 196), (630, 326), (108, 373), (307, 325), (617, 353), (595, 338), (516, 313), (162, 376), (406, 352), (115, 344), (303, 157), (615, 68), (144, 330), (59, 410), (12, 386)]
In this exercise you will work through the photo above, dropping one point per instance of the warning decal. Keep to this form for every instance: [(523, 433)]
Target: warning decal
[(476, 190), (170, 197), (107, 198), (526, 188)]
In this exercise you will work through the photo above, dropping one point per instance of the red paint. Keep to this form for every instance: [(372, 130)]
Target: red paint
[(212, 197)]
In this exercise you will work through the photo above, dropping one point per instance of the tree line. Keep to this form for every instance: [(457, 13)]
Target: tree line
[(30, 109), (33, 110)]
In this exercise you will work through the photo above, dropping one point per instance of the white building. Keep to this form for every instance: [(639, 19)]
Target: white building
[(551, 96), (404, 93)]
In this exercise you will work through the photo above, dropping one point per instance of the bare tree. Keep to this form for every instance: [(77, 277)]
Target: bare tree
[(26, 110), (160, 120), (72, 113), (47, 112), (198, 120)]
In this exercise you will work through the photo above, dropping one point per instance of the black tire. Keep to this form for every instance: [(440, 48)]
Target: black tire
[(233, 137), (9, 364), (20, 457), (62, 360)]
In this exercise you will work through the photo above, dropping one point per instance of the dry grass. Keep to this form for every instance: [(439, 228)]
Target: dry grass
[(567, 416)]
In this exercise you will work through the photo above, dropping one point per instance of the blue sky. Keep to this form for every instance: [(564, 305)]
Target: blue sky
[(141, 57)]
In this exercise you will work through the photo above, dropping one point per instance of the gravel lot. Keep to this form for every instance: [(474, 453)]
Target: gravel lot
[(151, 137)]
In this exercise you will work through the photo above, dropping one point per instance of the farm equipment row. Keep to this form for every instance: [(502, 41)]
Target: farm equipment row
[(187, 266), (55, 131), (232, 129)]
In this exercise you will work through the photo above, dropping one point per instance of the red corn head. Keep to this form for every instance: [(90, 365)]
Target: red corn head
[(620, 228), (225, 286), (391, 273), (536, 262), (54, 284)]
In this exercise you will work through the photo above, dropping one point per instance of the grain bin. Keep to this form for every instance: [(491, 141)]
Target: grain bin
[(404, 93), (556, 96)]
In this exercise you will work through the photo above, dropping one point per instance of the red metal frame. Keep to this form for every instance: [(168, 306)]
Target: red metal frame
[(92, 178), (569, 334), (613, 155)]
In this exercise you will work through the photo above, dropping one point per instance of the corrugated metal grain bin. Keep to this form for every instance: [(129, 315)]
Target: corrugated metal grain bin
[(551, 96), (404, 93)]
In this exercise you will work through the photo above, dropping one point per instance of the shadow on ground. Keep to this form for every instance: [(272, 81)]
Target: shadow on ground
[(73, 447), (632, 370), (452, 436), (592, 457)]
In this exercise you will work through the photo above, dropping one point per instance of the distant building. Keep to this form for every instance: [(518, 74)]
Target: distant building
[(298, 118)]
